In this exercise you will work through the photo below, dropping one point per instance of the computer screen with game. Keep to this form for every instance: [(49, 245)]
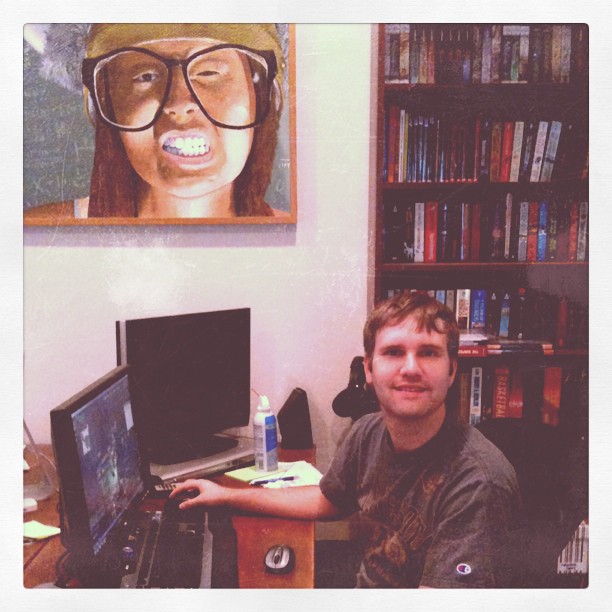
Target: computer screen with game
[(98, 461), (190, 378)]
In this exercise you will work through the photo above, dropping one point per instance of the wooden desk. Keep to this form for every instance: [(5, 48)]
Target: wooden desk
[(255, 535)]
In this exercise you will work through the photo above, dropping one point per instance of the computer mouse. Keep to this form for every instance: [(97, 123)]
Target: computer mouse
[(280, 559), (172, 503)]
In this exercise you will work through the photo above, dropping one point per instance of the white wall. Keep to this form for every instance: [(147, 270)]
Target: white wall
[(306, 286)]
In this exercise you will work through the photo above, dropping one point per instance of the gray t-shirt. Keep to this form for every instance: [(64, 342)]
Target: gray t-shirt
[(443, 513)]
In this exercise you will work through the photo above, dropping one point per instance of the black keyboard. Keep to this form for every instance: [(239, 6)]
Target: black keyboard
[(168, 551)]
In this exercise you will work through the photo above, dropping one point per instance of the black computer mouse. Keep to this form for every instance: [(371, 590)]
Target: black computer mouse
[(172, 503), (280, 559)]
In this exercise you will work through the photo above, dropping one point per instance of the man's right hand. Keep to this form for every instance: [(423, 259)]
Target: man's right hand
[(209, 493)]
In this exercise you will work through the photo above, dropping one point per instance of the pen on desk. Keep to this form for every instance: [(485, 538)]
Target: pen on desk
[(259, 483)]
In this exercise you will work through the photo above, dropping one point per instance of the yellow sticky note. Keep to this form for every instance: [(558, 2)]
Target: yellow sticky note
[(37, 531), (247, 474)]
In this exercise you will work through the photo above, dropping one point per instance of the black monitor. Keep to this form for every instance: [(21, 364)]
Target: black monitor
[(99, 464), (191, 379)]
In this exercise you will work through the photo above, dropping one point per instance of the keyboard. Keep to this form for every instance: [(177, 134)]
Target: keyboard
[(167, 551)]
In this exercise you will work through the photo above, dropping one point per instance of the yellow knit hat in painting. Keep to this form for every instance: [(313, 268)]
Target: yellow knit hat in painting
[(105, 37)]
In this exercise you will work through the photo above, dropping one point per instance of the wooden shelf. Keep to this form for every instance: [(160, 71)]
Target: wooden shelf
[(565, 183), (400, 268)]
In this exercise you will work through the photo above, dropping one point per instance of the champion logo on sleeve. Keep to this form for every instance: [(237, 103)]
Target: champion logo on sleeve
[(464, 569)]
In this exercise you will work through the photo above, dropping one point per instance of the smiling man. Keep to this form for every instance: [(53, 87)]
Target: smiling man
[(443, 500)]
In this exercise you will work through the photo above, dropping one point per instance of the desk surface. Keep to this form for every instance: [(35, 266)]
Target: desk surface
[(255, 535)]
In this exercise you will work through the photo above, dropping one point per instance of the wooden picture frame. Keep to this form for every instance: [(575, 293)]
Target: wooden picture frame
[(64, 150)]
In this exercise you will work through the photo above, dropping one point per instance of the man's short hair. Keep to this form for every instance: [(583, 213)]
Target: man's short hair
[(429, 313)]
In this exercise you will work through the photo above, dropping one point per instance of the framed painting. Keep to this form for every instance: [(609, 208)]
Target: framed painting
[(144, 124)]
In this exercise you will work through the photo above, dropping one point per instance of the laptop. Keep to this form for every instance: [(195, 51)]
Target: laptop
[(118, 525)]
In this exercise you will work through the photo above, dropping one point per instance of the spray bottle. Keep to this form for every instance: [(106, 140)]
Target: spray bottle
[(264, 430)]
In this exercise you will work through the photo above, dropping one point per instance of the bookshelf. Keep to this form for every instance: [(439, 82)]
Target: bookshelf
[(482, 185)]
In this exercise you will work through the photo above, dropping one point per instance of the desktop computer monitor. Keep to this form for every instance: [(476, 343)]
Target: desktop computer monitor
[(99, 466), (190, 378)]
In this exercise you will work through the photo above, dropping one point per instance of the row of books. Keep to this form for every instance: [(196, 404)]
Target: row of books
[(503, 391), (513, 321), (574, 558), (505, 230), (500, 53), (421, 148)]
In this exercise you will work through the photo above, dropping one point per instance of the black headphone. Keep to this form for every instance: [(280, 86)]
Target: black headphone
[(357, 399)]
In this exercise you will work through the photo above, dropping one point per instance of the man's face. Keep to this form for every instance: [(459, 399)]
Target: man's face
[(410, 370)]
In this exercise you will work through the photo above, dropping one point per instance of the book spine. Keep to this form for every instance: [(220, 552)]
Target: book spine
[(480, 350), (478, 316), (566, 52), (466, 53), (532, 231), (506, 57), (404, 52), (515, 399), (556, 54), (563, 219), (523, 229), (506, 151), (525, 36), (496, 36), (493, 313), (518, 320), (536, 54), (579, 54), (462, 311), (542, 225), (431, 231), (393, 143), (508, 219), (465, 241), (583, 218), (392, 51), (401, 158), (450, 300), (394, 235), (414, 55), (501, 392), (504, 319), (551, 151), (423, 56), (431, 58), (487, 42), (443, 234), (538, 152), (497, 128), (547, 54), (527, 152), (475, 232), (476, 396), (517, 147), (551, 243), (419, 232), (485, 149), (573, 231), (476, 54), (496, 233), (409, 233)]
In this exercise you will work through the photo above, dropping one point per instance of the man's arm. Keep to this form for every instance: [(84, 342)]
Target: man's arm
[(292, 502)]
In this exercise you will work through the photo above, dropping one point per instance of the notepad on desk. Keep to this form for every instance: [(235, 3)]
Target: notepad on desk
[(288, 474)]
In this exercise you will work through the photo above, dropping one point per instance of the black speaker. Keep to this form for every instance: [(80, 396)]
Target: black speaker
[(294, 421)]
